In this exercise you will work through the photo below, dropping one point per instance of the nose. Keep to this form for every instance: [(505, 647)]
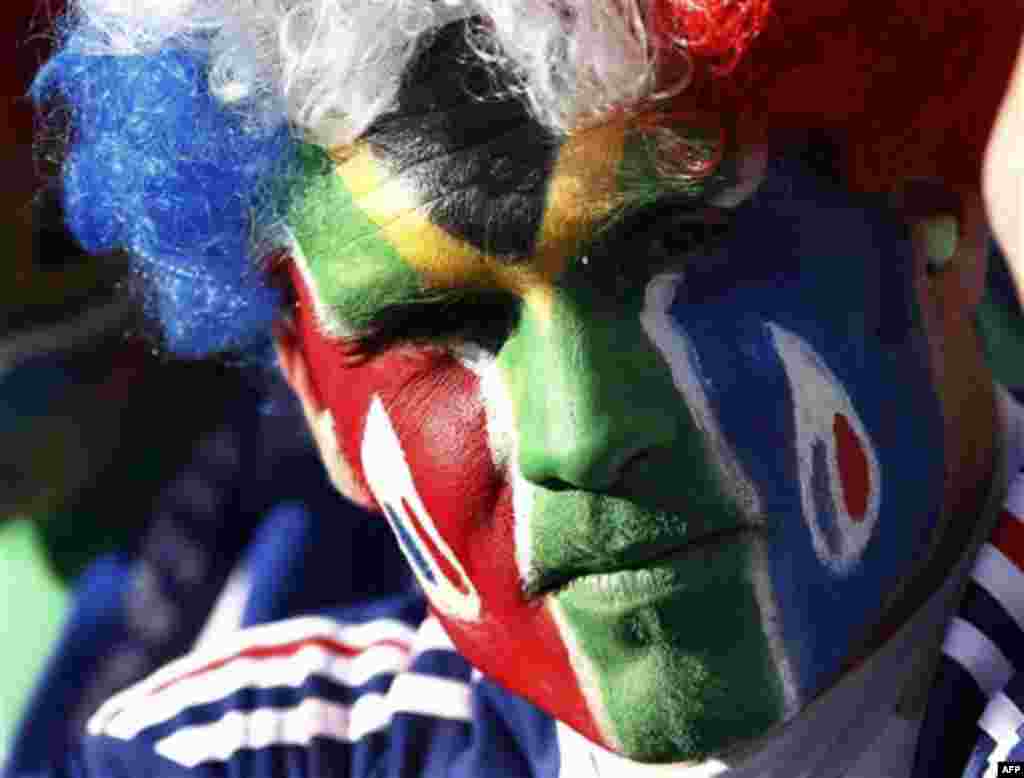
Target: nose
[(590, 395)]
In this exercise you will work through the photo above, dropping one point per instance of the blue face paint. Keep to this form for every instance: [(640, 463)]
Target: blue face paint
[(408, 543), (811, 300)]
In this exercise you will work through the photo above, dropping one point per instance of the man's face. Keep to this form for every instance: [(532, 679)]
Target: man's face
[(663, 479)]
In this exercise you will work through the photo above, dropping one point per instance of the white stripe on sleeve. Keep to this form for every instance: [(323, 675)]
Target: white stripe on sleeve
[(1001, 578), (358, 636), (237, 730), (978, 655), (297, 726), (1001, 720), (1015, 499), (264, 673)]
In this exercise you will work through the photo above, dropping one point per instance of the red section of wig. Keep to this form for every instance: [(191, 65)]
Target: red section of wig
[(717, 31), (909, 89)]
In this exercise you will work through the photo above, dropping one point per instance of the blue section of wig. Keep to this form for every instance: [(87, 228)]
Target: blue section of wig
[(159, 168)]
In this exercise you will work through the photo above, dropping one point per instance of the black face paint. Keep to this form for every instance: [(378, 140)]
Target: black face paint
[(469, 149)]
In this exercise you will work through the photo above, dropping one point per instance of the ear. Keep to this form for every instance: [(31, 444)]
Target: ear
[(291, 359), (950, 285), (295, 368), (968, 266), (1004, 174), (950, 237)]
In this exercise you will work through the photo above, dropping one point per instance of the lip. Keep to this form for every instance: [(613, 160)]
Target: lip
[(633, 572)]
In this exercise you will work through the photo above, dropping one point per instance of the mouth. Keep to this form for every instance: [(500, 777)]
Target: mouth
[(636, 568)]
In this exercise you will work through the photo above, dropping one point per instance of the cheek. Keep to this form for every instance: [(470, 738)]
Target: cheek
[(836, 461), (410, 426), (413, 426)]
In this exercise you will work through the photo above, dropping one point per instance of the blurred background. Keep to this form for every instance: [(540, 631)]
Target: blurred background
[(135, 491), (147, 505)]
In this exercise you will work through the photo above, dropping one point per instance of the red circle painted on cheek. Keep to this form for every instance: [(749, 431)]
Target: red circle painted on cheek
[(854, 470)]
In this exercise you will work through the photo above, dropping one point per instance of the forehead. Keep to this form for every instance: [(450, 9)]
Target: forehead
[(454, 191), (375, 224), (453, 228)]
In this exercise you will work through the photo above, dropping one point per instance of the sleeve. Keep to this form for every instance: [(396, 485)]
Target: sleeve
[(378, 693), (318, 661), (368, 688), (1000, 731), (304, 697), (301, 697), (975, 713)]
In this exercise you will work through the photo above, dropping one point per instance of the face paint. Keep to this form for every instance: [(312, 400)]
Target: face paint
[(843, 441), (635, 533), (387, 471), (419, 413), (606, 495), (840, 481), (339, 246)]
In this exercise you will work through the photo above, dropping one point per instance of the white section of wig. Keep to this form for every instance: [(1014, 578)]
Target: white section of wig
[(331, 67), (573, 60)]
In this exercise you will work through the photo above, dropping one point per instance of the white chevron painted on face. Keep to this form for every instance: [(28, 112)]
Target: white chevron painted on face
[(503, 444), (677, 350), (390, 479)]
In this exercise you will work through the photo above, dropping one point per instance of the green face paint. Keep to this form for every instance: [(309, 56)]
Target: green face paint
[(354, 270), (675, 645), (686, 671)]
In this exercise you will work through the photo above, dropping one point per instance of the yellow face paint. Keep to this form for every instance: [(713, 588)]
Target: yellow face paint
[(583, 190)]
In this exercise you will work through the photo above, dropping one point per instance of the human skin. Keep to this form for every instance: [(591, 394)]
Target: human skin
[(755, 435), (1004, 175)]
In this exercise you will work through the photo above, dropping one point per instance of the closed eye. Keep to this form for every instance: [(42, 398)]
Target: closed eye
[(484, 320), (656, 239), (650, 241)]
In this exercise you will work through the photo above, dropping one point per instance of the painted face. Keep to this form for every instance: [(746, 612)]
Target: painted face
[(657, 476)]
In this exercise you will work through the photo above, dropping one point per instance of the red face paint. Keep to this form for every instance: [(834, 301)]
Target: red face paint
[(854, 469), (434, 405)]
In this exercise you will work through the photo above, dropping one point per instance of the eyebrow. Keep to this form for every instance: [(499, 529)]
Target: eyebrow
[(371, 316), (638, 202), (435, 299), (431, 297), (637, 209)]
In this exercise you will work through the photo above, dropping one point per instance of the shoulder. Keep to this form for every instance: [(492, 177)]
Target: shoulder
[(304, 697)]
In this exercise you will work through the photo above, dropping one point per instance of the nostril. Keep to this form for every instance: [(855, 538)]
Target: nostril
[(554, 485), (635, 470), (622, 470), (595, 469)]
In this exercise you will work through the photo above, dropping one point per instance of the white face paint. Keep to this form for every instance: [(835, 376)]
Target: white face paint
[(390, 479), (501, 440), (834, 455), (678, 352)]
